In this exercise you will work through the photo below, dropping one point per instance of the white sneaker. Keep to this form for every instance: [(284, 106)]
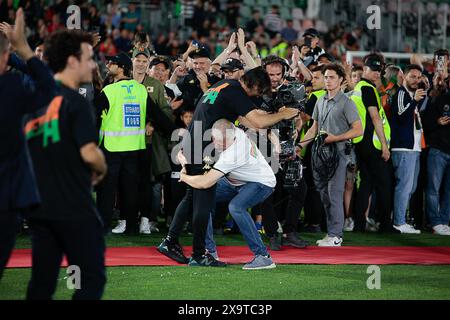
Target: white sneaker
[(280, 228), (371, 225), (331, 242), (442, 230), (144, 227), (325, 239), (349, 225), (406, 228), (120, 228), (153, 226)]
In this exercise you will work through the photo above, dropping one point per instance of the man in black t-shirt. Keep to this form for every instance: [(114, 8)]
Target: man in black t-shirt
[(228, 99), (18, 186), (63, 146)]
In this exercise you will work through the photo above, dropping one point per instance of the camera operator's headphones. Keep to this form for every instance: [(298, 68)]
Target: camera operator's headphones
[(276, 59)]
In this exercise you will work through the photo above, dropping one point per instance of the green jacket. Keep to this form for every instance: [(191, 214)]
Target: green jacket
[(160, 144)]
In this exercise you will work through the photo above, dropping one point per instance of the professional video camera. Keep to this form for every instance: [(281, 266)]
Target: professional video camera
[(293, 173), (292, 95)]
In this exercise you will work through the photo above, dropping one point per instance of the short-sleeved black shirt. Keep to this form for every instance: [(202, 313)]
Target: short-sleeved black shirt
[(225, 100), (369, 99), (55, 135)]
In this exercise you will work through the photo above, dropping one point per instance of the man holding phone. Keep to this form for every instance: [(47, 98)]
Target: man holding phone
[(441, 80), (406, 144), (311, 40)]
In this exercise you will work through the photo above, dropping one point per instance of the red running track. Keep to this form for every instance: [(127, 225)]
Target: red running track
[(148, 256)]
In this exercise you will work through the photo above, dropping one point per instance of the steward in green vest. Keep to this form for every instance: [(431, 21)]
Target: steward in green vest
[(123, 125), (362, 111), (372, 149), (124, 107)]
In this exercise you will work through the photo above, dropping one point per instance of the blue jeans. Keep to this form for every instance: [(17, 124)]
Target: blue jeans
[(438, 208), (241, 198), (406, 168)]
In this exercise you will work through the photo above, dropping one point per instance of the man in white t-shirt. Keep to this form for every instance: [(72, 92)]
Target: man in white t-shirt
[(244, 179)]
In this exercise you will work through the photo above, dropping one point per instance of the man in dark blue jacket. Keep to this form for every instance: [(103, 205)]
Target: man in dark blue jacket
[(18, 189), (406, 143)]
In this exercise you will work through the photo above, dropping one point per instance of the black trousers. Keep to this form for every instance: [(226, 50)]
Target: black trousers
[(9, 226), (83, 244), (174, 192), (123, 176), (284, 204), (375, 174), (417, 202), (314, 210), (182, 213), (267, 209), (145, 185), (203, 202)]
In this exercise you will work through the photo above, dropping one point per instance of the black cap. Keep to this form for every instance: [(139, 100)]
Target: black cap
[(327, 56), (311, 32), (159, 59), (374, 63), (232, 64), (122, 60), (199, 53)]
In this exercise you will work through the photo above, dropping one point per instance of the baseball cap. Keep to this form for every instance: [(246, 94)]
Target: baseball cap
[(138, 51), (199, 53), (311, 32), (232, 64), (374, 63), (327, 56), (160, 59), (122, 60)]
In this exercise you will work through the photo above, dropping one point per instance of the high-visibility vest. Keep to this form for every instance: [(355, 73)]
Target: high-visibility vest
[(123, 125), (280, 50), (318, 94), (357, 98)]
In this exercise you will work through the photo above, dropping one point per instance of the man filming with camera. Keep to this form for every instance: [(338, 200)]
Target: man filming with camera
[(336, 121), (291, 185)]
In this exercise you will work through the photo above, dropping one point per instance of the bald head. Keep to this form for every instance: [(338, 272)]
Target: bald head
[(223, 134)]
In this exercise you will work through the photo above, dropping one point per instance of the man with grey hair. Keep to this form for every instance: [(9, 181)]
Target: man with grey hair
[(244, 179), (18, 187)]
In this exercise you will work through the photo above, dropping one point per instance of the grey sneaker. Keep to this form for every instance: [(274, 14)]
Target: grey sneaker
[(294, 241), (260, 262), (153, 226), (275, 242)]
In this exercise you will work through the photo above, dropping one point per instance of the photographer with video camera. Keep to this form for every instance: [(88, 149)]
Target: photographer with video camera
[(336, 121), (291, 185)]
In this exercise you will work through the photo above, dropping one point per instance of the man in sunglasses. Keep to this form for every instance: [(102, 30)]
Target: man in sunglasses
[(232, 69), (372, 149)]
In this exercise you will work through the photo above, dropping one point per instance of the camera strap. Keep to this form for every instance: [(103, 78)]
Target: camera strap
[(326, 115)]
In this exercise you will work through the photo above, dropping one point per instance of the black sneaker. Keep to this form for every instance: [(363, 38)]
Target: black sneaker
[(275, 243), (206, 260), (312, 229), (294, 241), (173, 251)]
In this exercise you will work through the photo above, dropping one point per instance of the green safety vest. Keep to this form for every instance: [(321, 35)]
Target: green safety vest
[(357, 98), (123, 126), (318, 94), (280, 50)]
